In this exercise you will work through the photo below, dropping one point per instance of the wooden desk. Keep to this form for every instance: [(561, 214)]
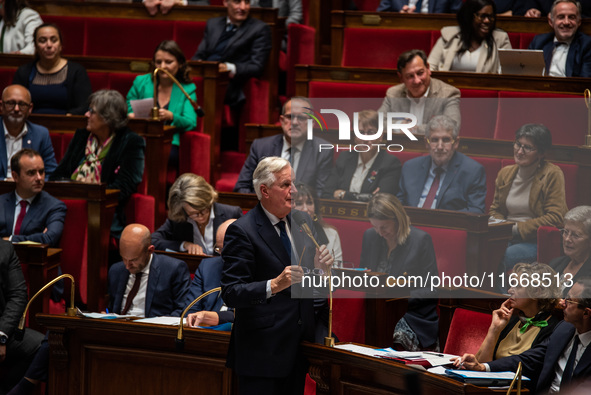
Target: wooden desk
[(341, 372), (101, 208), (192, 261), (97, 357), (40, 264)]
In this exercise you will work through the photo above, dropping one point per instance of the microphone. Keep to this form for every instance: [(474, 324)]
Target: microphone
[(198, 109), (300, 219), (71, 311), (180, 341)]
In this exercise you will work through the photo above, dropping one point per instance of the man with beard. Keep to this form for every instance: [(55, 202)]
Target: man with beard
[(20, 133)]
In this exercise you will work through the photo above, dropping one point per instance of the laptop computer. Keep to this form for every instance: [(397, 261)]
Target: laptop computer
[(522, 61)]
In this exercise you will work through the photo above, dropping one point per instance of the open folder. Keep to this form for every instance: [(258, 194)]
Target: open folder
[(483, 379)]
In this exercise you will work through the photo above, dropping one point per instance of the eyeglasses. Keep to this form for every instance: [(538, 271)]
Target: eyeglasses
[(199, 213), (526, 148), (10, 104), (367, 132), (298, 117), (316, 271), (483, 16), (444, 141), (568, 233), (91, 110), (569, 301)]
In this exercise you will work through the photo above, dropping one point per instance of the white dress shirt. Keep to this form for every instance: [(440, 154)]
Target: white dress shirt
[(13, 145), (138, 305)]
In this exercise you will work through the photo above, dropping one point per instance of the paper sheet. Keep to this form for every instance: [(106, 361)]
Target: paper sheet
[(142, 108)]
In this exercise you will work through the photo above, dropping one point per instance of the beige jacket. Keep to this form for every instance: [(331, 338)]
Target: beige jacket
[(547, 198), (447, 46)]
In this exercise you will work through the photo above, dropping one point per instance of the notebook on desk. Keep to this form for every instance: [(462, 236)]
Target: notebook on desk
[(522, 61)]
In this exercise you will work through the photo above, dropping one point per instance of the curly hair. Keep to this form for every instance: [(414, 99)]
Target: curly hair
[(547, 297)]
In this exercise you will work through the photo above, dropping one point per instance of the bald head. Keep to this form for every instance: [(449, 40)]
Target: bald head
[(221, 233), (16, 89), (135, 247)]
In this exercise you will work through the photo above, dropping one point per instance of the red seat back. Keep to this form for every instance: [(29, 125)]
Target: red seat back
[(351, 234), (450, 250), (300, 50), (188, 35), (466, 332), (74, 243), (479, 112), (491, 168), (72, 29), (194, 152)]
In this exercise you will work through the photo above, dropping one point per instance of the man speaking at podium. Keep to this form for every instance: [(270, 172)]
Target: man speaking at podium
[(257, 282)]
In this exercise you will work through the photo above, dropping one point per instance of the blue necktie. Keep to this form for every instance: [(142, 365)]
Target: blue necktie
[(284, 237), (570, 364)]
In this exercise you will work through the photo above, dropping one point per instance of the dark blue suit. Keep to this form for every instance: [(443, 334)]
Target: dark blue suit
[(539, 362), (46, 212), (248, 49), (313, 168), (208, 276), (172, 234), (435, 6), (266, 334), (37, 138), (463, 188), (578, 59), (168, 284)]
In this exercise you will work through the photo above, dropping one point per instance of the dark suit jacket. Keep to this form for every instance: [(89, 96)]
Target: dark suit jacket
[(435, 6), (46, 212), (313, 168), (539, 362), (578, 59), (13, 289), (416, 257), (266, 334), (122, 169), (560, 263), (463, 188), (172, 234), (384, 174), (208, 276), (168, 284), (248, 49), (37, 138)]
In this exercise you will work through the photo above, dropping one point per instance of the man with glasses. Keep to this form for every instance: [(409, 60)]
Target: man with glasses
[(563, 360), (311, 166), (445, 179), (20, 133), (567, 51)]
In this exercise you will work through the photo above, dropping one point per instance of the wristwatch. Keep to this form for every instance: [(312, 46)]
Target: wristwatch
[(3, 340)]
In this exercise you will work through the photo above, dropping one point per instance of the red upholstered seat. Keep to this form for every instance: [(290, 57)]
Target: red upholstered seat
[(491, 168), (450, 249), (6, 75), (570, 183), (466, 332), (300, 50), (98, 80), (564, 115), (74, 247), (194, 150), (515, 39), (255, 108), (479, 112), (140, 210), (549, 244), (72, 29), (525, 40), (188, 35), (135, 38), (367, 5), (346, 89), (121, 82), (380, 48), (351, 234), (232, 163), (348, 316), (198, 81)]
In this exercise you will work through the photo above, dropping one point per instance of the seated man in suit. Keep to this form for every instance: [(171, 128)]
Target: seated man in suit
[(422, 6), (29, 213), (567, 51), (260, 282), (419, 94), (240, 42), (561, 361), (445, 179), (19, 133), (210, 310), (145, 284), (311, 166), (539, 8)]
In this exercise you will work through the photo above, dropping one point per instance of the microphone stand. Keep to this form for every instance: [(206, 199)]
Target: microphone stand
[(177, 83), (517, 377), (71, 311), (180, 341)]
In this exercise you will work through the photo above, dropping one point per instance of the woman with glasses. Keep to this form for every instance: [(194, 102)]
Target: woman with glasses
[(395, 247), (57, 85), (576, 243), (106, 151), (359, 175), (525, 319), (530, 193), (193, 217), (473, 45)]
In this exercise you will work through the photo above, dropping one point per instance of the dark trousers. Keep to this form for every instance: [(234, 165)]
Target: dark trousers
[(19, 355), (293, 384)]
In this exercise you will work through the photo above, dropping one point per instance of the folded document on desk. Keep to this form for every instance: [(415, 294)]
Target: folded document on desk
[(485, 379)]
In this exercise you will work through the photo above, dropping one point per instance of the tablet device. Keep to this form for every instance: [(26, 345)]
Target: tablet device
[(522, 61)]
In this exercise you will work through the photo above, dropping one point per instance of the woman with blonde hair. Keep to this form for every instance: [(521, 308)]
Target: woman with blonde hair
[(193, 217)]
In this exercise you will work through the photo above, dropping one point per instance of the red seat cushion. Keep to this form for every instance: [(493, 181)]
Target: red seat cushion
[(349, 316), (479, 112), (570, 183), (188, 35), (300, 50), (74, 246), (194, 155), (450, 250), (72, 29), (466, 332), (98, 80), (121, 82), (351, 234), (491, 168)]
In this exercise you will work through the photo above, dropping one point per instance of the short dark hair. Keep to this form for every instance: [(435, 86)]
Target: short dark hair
[(15, 161), (408, 56), (585, 299), (173, 48), (538, 134)]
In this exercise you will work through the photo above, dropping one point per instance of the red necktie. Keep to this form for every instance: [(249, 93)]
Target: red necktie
[(21, 217), (434, 187), (132, 293)]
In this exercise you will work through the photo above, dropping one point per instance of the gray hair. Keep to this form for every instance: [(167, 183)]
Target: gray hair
[(580, 215), (264, 174), (111, 107), (579, 8), (442, 122), (538, 134)]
